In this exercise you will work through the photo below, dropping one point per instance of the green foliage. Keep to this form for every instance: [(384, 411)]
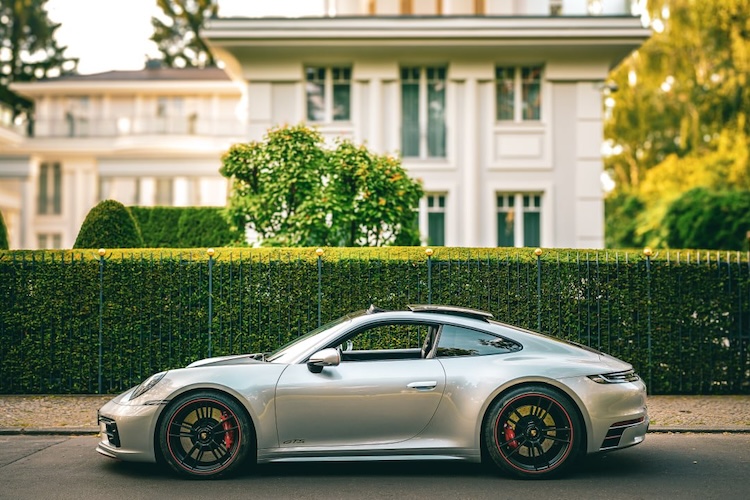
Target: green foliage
[(184, 227), (701, 218), (679, 119), (622, 211), (294, 191), (178, 33), (29, 49), (109, 225), (674, 316), (3, 233)]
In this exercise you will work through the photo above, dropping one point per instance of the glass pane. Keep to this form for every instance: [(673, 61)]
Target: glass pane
[(315, 89), (42, 200), (506, 229), (341, 101), (531, 93), (57, 189), (505, 88), (409, 119), (531, 229), (436, 119), (436, 228), (457, 341)]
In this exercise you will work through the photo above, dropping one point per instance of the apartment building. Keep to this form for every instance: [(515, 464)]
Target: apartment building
[(496, 105)]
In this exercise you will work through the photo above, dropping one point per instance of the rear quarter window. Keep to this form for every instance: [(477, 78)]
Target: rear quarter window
[(459, 341)]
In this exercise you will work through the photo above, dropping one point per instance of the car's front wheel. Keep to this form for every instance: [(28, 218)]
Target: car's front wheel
[(205, 434), (533, 432)]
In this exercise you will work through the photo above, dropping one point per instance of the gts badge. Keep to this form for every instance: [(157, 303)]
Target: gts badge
[(294, 441)]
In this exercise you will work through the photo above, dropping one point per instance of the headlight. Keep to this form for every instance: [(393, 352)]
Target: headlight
[(615, 377), (147, 384)]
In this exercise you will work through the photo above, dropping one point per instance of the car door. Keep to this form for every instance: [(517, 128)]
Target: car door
[(373, 397)]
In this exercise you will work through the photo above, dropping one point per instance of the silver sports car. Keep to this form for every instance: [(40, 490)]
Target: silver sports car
[(431, 382)]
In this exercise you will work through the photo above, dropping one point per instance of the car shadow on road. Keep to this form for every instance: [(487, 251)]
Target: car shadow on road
[(600, 466)]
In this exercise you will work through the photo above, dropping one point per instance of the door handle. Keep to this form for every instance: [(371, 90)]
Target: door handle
[(426, 385)]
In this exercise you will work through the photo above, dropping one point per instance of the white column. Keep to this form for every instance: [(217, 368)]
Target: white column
[(181, 196), (28, 209), (375, 142), (470, 168)]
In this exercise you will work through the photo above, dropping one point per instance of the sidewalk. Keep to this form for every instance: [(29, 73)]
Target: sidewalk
[(77, 414)]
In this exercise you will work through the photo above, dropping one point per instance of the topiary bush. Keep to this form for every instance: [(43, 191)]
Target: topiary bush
[(109, 225), (3, 234)]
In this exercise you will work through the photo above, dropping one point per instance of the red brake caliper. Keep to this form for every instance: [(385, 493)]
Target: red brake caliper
[(228, 432), (510, 436)]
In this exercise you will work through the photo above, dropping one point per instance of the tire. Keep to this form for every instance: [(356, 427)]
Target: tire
[(205, 435), (533, 432)]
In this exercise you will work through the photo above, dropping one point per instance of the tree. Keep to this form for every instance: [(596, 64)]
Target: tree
[(3, 234), (293, 190), (109, 225), (679, 119), (178, 34), (28, 49), (713, 220)]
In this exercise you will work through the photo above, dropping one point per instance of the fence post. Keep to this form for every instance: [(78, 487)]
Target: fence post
[(210, 253), (319, 253), (102, 251), (647, 252), (538, 253), (429, 274)]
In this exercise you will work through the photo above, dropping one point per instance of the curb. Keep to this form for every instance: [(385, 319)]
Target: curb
[(49, 431)]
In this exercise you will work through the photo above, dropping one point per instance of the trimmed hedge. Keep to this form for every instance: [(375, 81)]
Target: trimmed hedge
[(681, 318), (184, 227), (109, 225)]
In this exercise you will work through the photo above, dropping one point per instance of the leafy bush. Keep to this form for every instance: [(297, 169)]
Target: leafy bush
[(3, 234), (702, 218), (184, 227), (109, 225)]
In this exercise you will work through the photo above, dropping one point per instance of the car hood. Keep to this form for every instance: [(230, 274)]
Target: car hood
[(237, 359)]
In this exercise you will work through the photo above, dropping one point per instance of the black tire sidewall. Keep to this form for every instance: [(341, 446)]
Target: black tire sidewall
[(246, 435), (488, 432)]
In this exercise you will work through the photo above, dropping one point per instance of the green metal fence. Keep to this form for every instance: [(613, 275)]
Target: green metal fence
[(84, 323)]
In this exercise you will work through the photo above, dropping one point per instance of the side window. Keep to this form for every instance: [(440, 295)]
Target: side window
[(388, 336), (457, 341)]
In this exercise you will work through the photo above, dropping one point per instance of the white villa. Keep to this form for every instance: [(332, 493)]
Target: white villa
[(496, 105)]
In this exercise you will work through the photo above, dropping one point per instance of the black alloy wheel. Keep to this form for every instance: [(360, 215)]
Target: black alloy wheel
[(205, 434), (533, 432)]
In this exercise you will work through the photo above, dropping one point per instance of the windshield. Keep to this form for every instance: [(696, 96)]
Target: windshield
[(298, 346)]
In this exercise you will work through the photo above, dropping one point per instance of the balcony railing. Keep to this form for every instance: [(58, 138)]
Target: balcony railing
[(79, 127)]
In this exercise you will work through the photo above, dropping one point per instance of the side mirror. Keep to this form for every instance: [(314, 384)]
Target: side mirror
[(325, 357)]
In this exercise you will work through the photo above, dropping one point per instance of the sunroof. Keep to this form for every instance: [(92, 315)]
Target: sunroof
[(456, 310)]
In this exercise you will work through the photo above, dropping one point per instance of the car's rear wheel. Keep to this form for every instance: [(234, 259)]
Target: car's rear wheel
[(533, 432), (205, 434)]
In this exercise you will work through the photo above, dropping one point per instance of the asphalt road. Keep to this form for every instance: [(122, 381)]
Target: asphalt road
[(666, 466)]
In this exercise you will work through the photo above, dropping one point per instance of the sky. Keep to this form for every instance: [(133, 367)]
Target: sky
[(114, 34)]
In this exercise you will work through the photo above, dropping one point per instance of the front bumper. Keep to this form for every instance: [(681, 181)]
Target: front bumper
[(128, 431)]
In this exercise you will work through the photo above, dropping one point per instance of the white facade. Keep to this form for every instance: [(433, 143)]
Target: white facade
[(495, 105), (150, 137)]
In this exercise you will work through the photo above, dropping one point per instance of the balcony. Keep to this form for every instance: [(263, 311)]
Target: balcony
[(79, 127)]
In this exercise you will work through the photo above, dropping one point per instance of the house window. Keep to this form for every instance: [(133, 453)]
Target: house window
[(49, 241), (328, 93), (423, 112), (519, 220), (434, 224), (518, 93), (50, 189)]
